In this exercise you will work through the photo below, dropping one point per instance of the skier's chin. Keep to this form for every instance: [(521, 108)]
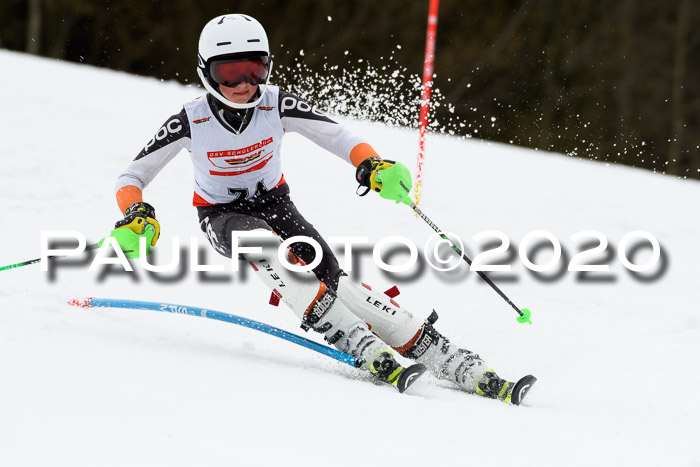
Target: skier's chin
[(238, 97), (242, 98)]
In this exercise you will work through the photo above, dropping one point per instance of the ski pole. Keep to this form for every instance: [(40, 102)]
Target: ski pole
[(93, 302), (523, 314), (38, 260)]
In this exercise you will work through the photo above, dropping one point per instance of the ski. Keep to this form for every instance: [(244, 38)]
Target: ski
[(409, 375), (405, 379), (93, 302), (521, 388)]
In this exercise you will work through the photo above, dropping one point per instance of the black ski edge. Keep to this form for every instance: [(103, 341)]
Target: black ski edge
[(521, 388), (409, 376)]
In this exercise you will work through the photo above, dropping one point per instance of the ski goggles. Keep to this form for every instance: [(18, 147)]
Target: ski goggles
[(232, 72)]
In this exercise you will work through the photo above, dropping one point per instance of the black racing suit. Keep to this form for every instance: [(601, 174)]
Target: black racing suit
[(273, 210)]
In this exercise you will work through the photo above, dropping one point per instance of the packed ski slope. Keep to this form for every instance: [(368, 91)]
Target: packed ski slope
[(618, 360)]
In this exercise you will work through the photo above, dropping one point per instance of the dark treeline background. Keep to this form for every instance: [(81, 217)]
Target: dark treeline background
[(615, 80)]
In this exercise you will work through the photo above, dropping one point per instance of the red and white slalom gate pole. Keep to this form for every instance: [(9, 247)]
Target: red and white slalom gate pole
[(425, 93)]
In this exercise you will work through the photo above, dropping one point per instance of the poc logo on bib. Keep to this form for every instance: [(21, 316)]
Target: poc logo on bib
[(170, 128), (290, 103)]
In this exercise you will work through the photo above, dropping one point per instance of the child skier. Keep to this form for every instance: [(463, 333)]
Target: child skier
[(234, 135)]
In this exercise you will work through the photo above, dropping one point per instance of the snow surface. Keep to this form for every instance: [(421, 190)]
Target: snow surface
[(618, 361)]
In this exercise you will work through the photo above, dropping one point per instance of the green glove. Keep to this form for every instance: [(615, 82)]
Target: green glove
[(396, 183), (392, 180), (137, 217), (128, 240)]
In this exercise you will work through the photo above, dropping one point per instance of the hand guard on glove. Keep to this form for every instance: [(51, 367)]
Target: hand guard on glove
[(137, 217), (392, 180)]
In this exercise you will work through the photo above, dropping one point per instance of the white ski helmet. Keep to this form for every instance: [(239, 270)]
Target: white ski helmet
[(237, 38)]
